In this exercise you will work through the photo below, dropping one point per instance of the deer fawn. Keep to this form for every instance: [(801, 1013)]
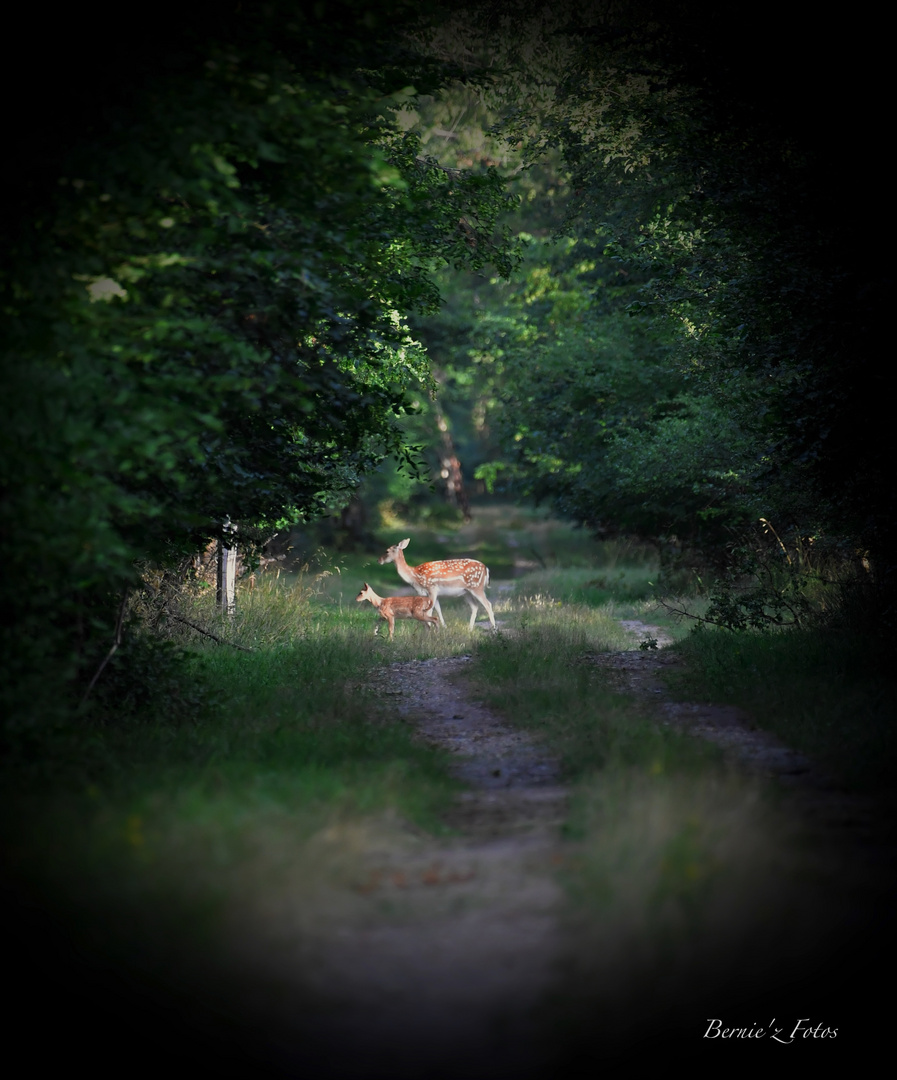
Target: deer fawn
[(399, 607), (450, 577)]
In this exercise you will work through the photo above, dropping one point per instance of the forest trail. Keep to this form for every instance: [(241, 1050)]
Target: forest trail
[(830, 813), (462, 940), (448, 957)]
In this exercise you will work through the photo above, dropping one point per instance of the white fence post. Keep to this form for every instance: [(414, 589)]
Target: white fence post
[(227, 569)]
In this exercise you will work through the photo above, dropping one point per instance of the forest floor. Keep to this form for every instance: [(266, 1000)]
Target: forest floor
[(439, 966), (452, 946), (455, 972), (837, 817)]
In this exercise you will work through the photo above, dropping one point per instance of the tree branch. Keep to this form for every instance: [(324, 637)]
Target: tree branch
[(205, 633), (119, 623)]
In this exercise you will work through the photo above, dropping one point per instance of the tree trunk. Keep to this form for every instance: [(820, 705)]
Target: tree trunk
[(450, 467)]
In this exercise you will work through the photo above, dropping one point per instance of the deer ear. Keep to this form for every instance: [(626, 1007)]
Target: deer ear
[(365, 586), (404, 543)]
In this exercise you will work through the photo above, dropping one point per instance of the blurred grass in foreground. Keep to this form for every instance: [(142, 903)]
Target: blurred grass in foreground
[(246, 792)]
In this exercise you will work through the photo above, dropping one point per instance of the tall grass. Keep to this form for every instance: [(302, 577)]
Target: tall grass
[(695, 896), (248, 786), (544, 677), (693, 889), (145, 832), (832, 695)]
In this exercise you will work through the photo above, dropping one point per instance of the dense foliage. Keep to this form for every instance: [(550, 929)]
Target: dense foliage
[(217, 237), (702, 154), (224, 244), (731, 198)]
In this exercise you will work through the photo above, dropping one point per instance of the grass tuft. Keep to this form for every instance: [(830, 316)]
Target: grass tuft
[(831, 695)]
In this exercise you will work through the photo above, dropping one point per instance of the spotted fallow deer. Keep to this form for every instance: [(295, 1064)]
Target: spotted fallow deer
[(399, 607), (448, 577)]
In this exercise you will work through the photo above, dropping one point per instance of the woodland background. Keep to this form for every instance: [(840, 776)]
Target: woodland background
[(341, 273), (625, 258)]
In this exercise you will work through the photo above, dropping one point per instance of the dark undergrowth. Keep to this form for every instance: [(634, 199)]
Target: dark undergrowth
[(830, 694)]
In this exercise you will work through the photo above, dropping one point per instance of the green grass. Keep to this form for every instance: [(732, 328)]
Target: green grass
[(254, 782), (222, 781), (690, 884), (164, 823), (582, 585), (544, 678), (512, 542), (831, 695)]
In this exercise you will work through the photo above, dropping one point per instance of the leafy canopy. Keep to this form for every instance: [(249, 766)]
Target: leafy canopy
[(216, 244)]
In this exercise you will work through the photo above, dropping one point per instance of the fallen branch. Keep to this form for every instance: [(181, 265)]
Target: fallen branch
[(205, 633)]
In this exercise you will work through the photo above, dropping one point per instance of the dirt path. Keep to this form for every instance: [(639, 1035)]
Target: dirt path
[(442, 966), (443, 961), (832, 814)]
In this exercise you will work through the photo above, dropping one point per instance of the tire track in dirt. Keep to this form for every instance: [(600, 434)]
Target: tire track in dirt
[(848, 820), (447, 975), (444, 962)]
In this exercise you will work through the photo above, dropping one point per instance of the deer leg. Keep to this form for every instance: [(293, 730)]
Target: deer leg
[(487, 607), (437, 609), (473, 610), (487, 604)]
